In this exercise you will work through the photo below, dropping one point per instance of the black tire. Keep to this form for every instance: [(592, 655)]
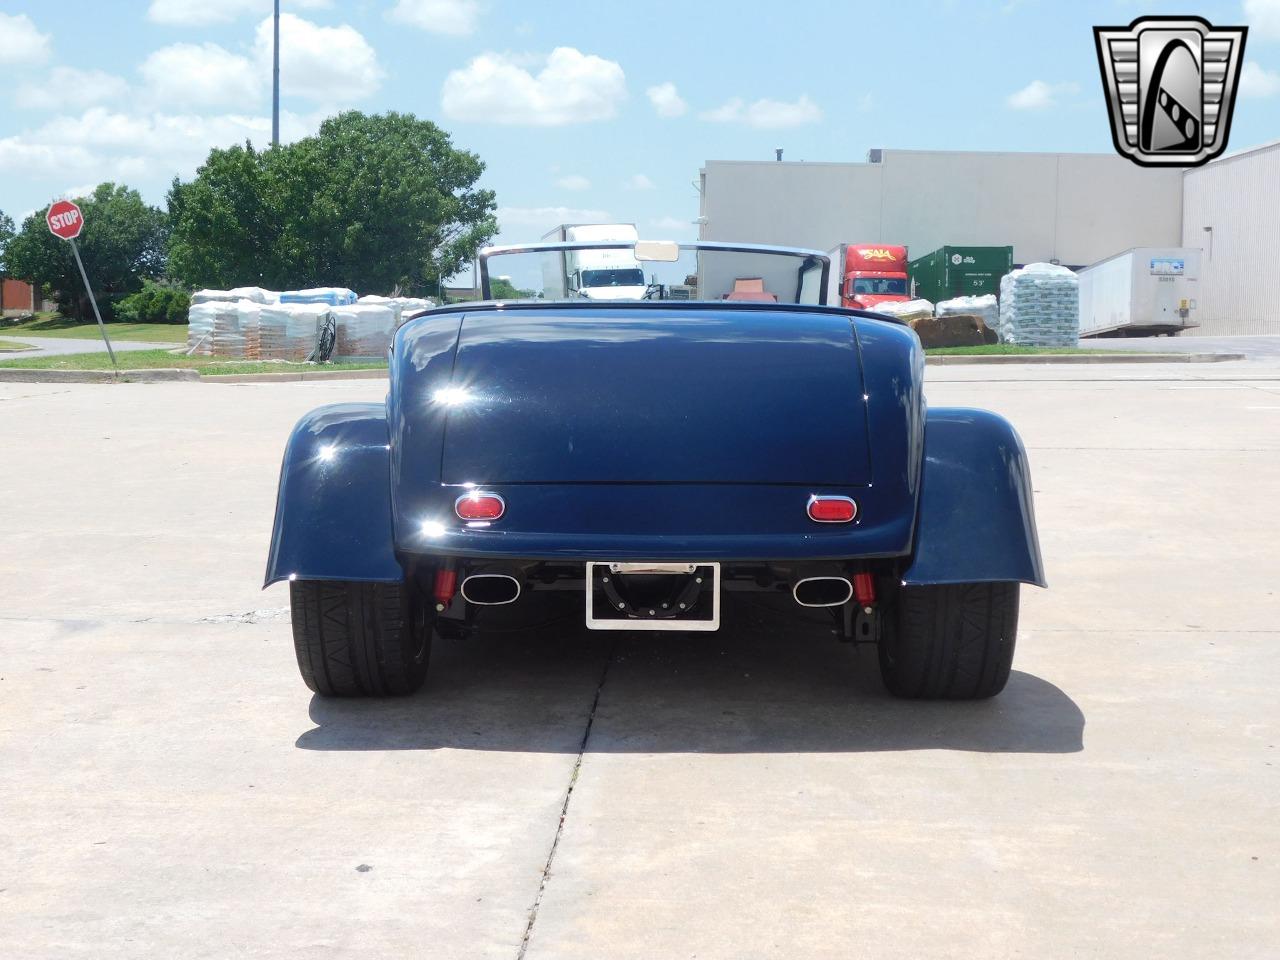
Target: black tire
[(360, 639), (950, 641)]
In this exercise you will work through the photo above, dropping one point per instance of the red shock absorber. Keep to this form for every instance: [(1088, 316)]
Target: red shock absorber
[(864, 589), (446, 583)]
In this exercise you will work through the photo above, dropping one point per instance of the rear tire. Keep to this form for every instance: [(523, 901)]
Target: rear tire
[(360, 639), (950, 641)]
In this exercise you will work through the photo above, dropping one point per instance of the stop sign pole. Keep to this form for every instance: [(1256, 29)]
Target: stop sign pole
[(66, 221)]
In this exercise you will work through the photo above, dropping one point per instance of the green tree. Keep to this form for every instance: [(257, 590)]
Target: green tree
[(6, 234), (373, 203), (501, 288), (122, 244)]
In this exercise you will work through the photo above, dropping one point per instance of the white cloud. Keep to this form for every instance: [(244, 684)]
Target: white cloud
[(113, 145), (1263, 17), (64, 87), (637, 181), (328, 64), (670, 223), (80, 192), (1038, 95), (198, 13), (574, 181), (766, 114), (666, 100), (544, 218), (201, 75), (1256, 81), (22, 41), (455, 18), (573, 87)]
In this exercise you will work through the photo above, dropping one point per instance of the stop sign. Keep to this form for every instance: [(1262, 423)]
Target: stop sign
[(65, 220)]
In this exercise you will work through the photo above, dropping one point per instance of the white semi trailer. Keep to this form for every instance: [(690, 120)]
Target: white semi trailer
[(1141, 292), (594, 274)]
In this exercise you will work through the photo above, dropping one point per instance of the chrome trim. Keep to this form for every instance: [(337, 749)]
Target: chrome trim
[(476, 495), (484, 576), (482, 258), (799, 583), (814, 498)]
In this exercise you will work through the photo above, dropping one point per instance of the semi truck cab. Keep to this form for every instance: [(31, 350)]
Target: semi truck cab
[(869, 274)]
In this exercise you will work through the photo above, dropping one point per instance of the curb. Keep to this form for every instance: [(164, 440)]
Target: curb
[(999, 359), (376, 373), (35, 375)]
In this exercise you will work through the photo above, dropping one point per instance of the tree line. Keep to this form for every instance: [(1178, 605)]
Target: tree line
[(377, 203)]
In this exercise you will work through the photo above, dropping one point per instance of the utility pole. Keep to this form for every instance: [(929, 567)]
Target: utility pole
[(275, 83)]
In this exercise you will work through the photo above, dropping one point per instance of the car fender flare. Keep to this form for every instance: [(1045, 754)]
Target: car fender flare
[(975, 522), (333, 509)]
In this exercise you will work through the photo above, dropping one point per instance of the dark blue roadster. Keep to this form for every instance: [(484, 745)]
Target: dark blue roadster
[(727, 432)]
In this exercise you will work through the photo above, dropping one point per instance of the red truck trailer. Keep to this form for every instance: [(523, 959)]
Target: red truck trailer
[(868, 274)]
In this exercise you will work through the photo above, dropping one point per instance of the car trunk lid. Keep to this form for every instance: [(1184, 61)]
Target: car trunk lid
[(645, 395)]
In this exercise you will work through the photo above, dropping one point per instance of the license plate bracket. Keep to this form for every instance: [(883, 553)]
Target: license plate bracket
[(653, 596)]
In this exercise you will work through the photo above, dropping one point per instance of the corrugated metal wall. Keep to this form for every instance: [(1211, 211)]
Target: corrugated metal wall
[(1239, 198)]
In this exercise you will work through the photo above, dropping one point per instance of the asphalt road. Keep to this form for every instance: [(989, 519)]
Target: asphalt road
[(58, 346), (171, 789)]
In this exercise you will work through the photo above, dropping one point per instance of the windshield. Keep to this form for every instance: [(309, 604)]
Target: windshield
[(613, 278), (881, 286), (705, 273)]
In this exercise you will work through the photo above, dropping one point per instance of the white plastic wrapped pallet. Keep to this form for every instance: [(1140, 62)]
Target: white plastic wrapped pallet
[(1040, 306), (256, 294), (287, 331), (364, 329), (904, 309), (200, 327), (333, 296), (985, 307)]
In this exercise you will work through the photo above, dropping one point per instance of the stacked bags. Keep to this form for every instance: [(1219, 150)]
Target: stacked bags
[(985, 308), (1040, 306), (904, 310), (333, 296), (364, 329), (288, 331), (224, 328)]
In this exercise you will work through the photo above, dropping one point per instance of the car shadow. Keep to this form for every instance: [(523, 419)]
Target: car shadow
[(768, 682)]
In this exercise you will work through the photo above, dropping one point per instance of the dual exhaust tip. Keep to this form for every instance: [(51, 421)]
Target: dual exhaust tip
[(495, 589)]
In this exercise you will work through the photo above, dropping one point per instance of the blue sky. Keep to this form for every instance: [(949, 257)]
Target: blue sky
[(581, 110)]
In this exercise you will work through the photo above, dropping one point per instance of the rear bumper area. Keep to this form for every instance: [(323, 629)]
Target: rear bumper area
[(656, 522)]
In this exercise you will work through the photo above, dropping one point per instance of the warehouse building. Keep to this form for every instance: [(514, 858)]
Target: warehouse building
[(1069, 208)]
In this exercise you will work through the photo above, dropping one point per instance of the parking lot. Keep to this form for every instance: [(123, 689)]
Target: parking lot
[(171, 789)]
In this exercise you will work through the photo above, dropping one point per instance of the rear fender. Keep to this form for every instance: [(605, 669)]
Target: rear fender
[(333, 511), (976, 522)]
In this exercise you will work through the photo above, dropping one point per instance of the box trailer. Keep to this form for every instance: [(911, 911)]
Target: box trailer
[(1141, 292), (594, 274), (960, 272)]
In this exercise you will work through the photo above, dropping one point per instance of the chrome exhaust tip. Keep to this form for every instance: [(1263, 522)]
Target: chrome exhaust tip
[(822, 591), (490, 589)]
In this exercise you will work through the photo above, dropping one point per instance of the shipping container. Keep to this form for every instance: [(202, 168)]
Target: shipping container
[(1144, 291), (960, 272)]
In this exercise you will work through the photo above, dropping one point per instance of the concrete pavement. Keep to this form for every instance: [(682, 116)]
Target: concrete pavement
[(171, 788), (1265, 348)]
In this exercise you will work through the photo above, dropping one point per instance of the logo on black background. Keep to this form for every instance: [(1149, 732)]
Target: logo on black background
[(1170, 84)]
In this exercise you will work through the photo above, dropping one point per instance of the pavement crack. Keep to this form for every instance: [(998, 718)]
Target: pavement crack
[(564, 807)]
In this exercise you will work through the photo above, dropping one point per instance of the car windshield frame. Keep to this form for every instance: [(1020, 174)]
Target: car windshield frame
[(808, 258)]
